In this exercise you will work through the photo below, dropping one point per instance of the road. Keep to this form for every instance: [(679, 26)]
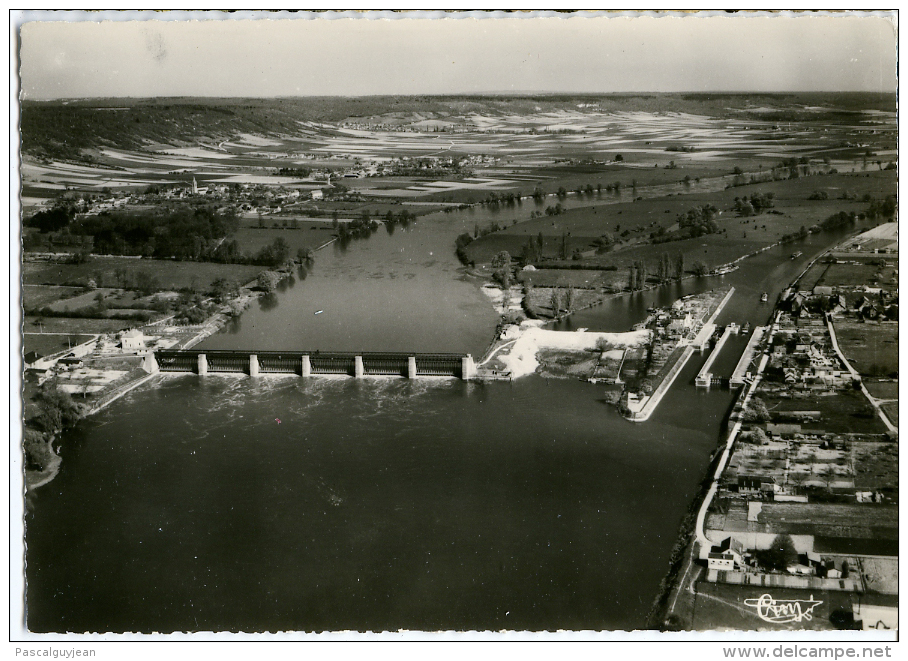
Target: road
[(857, 377)]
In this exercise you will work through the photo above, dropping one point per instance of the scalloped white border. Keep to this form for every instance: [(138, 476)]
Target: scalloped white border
[(137, 646)]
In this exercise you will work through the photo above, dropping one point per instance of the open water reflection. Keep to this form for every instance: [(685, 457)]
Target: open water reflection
[(227, 503), (283, 504)]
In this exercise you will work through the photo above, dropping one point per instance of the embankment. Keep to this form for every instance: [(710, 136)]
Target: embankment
[(649, 407)]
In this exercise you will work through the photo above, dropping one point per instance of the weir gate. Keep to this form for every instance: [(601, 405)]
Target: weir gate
[(314, 363)]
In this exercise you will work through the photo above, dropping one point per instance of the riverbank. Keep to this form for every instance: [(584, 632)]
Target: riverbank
[(35, 479), (160, 334), (679, 599), (641, 409)]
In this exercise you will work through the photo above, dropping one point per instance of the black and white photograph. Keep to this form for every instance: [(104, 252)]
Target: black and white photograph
[(517, 325)]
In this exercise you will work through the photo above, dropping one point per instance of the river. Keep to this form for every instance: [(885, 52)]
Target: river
[(226, 503)]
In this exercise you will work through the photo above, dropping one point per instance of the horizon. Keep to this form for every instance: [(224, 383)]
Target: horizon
[(472, 94), (364, 56)]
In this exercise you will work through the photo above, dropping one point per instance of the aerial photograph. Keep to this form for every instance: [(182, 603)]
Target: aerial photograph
[(531, 325)]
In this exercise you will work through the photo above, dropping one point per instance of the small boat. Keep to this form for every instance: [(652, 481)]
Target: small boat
[(797, 254), (725, 269), (319, 311), (764, 297), (746, 329)]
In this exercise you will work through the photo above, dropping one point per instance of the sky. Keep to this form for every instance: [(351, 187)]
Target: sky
[(361, 56)]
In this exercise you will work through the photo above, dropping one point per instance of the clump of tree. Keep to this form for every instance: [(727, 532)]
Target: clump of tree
[(37, 450), (502, 265), (555, 302), (604, 243), (532, 251), (755, 204), (294, 172), (191, 308), (305, 256), (695, 222), (495, 200), (756, 411), (700, 268), (818, 195), (636, 279), (268, 280), (223, 289), (461, 243), (757, 436), (56, 409), (884, 208), (780, 555), (51, 220), (196, 234), (275, 254), (666, 270)]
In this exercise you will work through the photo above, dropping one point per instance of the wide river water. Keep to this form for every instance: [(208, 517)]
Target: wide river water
[(227, 503)]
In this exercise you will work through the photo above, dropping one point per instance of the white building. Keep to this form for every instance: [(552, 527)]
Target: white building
[(132, 340)]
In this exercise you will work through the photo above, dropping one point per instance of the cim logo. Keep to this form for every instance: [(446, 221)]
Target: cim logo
[(783, 611)]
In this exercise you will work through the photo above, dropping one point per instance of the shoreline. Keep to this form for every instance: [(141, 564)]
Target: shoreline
[(691, 533), (649, 407), (34, 479)]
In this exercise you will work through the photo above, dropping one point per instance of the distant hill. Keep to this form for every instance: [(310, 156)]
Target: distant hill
[(63, 129)]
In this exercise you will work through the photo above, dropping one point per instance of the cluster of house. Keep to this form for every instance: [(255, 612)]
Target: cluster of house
[(678, 321), (731, 555), (868, 303), (246, 196), (728, 555), (446, 127), (38, 367), (805, 356), (758, 488)]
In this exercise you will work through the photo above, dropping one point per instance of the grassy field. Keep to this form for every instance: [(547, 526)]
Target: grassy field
[(75, 326), (582, 279), (847, 411), (565, 364), (891, 409), (852, 276), (310, 235), (37, 296), (303, 222), (721, 607), (632, 222), (170, 274), (872, 349), (876, 464), (541, 300), (882, 389), (45, 345)]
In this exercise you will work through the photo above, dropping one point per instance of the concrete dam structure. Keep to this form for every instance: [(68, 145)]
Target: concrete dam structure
[(314, 363)]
